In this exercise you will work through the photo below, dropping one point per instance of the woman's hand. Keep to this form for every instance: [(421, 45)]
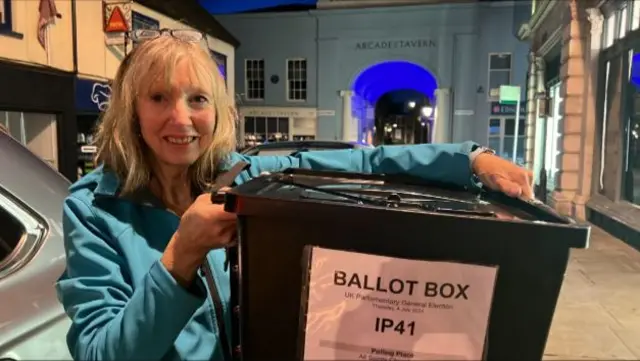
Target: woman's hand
[(504, 176), (203, 227)]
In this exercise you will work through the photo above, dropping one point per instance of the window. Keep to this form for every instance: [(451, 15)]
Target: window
[(534, 5), (5, 15), (631, 150), (20, 233), (622, 24), (254, 79), (258, 130), (140, 21), (635, 15), (297, 79), (499, 72), (553, 142), (221, 61), (36, 131), (610, 30), (502, 137)]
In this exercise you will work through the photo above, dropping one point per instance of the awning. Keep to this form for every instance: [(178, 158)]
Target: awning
[(216, 7)]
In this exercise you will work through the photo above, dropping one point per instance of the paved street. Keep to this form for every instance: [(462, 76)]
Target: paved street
[(598, 314)]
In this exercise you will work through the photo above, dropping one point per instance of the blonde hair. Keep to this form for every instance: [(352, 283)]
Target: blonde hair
[(121, 149)]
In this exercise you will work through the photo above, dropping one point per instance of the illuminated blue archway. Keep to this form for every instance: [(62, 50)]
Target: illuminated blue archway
[(381, 78)]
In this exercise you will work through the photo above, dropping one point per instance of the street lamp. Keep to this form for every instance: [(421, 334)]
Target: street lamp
[(426, 111), (411, 104)]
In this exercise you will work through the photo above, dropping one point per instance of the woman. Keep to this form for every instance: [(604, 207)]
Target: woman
[(138, 227)]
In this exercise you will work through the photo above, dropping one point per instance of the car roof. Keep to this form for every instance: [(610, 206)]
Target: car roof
[(31, 179)]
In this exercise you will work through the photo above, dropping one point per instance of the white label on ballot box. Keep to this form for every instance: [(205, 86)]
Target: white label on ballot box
[(367, 307)]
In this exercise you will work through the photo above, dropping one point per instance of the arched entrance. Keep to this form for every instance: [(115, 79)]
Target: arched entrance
[(379, 79), (403, 117)]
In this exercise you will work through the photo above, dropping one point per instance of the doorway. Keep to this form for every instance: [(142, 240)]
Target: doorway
[(403, 117)]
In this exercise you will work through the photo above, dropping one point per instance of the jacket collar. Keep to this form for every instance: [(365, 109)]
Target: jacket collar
[(108, 185)]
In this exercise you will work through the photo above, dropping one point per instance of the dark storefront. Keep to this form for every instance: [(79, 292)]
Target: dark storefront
[(37, 105), (91, 99), (616, 202)]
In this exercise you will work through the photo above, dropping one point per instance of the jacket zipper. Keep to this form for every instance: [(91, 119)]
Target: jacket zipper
[(218, 310)]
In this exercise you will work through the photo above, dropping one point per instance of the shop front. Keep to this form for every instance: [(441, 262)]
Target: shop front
[(91, 99), (615, 204), (561, 101), (37, 107), (549, 128), (502, 130), (274, 124)]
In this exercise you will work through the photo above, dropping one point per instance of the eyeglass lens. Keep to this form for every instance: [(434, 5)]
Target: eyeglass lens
[(187, 35), (182, 34)]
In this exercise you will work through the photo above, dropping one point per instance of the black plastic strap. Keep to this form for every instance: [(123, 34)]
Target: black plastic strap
[(226, 179)]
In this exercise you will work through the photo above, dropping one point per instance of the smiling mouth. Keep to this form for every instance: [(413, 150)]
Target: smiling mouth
[(180, 140)]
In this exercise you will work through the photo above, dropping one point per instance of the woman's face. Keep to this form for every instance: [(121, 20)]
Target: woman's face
[(177, 121)]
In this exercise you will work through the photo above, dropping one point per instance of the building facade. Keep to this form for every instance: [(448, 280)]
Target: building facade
[(36, 85), (319, 74), (51, 93), (583, 139)]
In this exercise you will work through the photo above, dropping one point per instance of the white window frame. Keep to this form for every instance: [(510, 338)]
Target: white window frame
[(495, 96), (247, 90), (287, 87)]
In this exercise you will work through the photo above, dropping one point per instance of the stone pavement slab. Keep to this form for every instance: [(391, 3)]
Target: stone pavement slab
[(598, 313)]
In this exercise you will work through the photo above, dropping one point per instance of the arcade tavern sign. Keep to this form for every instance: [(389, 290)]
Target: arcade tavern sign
[(395, 44)]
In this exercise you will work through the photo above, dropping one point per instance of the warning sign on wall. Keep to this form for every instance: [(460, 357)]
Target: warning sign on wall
[(117, 20)]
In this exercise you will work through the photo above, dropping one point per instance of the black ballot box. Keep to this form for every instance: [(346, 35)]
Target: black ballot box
[(283, 216)]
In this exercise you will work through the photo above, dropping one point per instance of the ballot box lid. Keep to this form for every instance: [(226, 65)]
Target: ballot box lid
[(301, 192)]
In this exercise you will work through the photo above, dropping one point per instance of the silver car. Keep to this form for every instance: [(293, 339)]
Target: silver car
[(33, 324)]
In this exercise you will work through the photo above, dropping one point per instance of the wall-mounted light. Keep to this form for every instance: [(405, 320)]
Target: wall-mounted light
[(426, 111)]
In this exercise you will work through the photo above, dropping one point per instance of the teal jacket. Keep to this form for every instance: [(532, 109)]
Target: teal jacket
[(123, 303)]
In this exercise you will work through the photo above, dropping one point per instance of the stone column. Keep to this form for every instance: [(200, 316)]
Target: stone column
[(442, 131), (347, 119), (572, 69), (596, 19)]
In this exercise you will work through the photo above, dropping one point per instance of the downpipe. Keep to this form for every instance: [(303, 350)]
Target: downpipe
[(541, 96)]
